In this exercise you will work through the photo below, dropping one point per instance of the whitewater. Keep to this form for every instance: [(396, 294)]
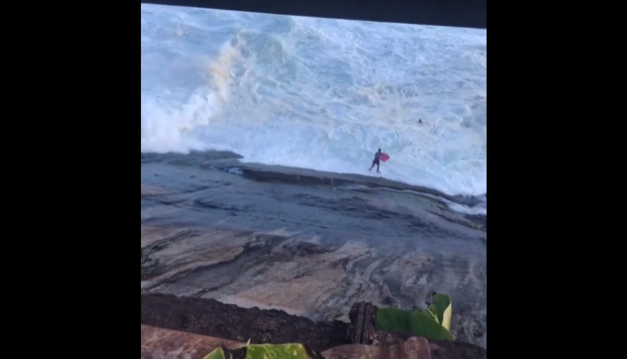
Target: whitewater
[(315, 93)]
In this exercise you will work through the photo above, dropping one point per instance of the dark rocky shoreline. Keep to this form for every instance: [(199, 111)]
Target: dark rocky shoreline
[(229, 162), (310, 249)]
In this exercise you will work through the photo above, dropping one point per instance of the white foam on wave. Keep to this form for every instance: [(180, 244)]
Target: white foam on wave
[(317, 93)]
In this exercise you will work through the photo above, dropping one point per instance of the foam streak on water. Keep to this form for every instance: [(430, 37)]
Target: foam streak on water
[(317, 93)]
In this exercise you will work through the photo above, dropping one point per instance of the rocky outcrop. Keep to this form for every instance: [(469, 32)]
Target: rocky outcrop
[(229, 321), (159, 343), (170, 322), (211, 231)]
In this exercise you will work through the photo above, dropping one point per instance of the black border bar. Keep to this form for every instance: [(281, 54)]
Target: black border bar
[(454, 13)]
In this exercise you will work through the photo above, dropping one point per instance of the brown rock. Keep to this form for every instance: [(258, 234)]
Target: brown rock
[(413, 348), (442, 349), (381, 338), (159, 343)]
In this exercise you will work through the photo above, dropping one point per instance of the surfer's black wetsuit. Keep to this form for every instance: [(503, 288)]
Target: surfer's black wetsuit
[(376, 160)]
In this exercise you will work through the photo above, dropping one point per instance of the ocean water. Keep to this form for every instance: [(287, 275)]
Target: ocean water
[(319, 94)]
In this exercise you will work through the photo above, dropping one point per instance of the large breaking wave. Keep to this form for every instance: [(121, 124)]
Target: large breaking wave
[(317, 93)]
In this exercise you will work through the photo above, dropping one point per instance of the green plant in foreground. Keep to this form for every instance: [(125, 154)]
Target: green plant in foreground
[(265, 351), (441, 309), (435, 325)]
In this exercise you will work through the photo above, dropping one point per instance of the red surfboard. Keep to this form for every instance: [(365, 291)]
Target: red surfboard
[(384, 156)]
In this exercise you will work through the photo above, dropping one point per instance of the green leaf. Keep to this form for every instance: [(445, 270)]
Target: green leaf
[(265, 351), (431, 311), (283, 351), (443, 309), (410, 322)]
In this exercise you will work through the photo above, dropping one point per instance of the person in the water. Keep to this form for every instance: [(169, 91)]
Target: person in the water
[(377, 156)]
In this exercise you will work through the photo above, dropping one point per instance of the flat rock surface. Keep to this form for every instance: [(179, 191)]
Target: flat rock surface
[(212, 230)]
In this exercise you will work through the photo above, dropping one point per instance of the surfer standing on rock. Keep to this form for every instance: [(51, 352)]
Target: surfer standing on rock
[(377, 157)]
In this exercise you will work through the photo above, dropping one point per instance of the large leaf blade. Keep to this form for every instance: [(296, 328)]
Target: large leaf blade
[(264, 351), (410, 322), (282, 351), (443, 308)]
